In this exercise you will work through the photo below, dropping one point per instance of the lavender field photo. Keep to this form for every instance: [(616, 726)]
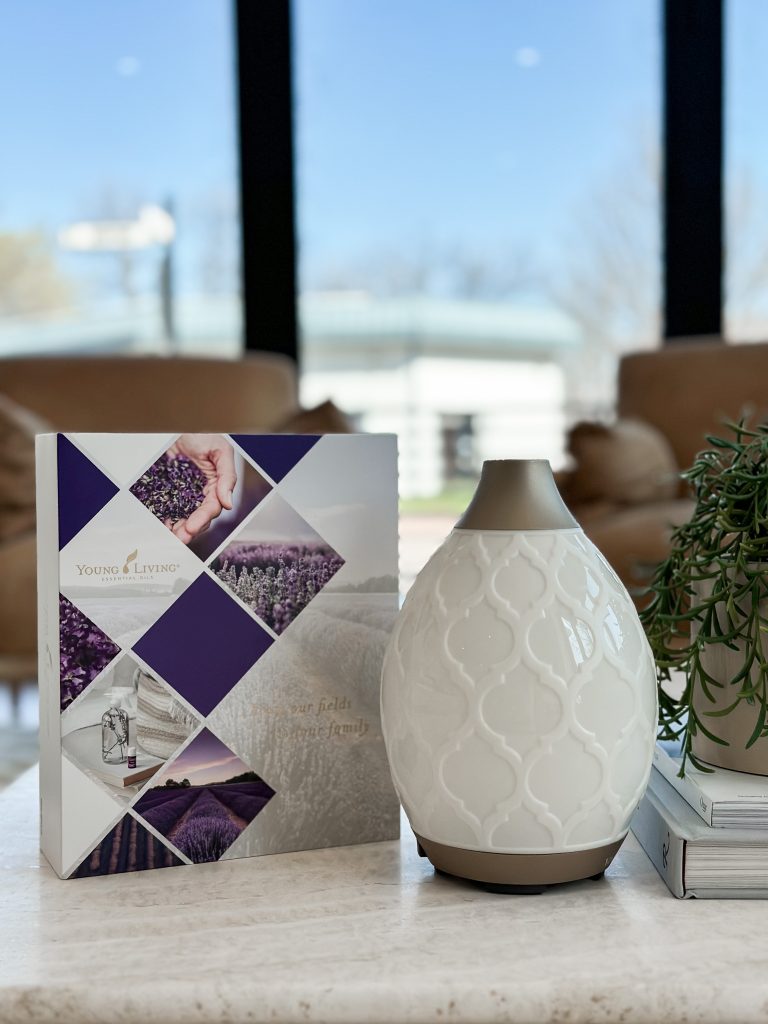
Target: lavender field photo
[(128, 847), (277, 564), (204, 800), (277, 581)]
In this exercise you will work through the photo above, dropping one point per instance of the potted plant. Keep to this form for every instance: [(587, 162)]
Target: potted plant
[(707, 619)]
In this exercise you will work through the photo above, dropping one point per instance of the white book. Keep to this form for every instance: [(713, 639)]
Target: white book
[(724, 799), (693, 858)]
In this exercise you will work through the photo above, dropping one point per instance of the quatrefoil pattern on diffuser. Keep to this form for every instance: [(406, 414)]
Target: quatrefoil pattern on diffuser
[(519, 696)]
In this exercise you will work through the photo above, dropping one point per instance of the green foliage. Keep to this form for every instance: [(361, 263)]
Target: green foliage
[(243, 777), (715, 581)]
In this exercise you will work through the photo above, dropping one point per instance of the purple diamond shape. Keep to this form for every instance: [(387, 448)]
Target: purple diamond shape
[(83, 489), (204, 644), (276, 453)]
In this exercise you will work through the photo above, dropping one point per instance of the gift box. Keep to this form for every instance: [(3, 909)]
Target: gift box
[(213, 614)]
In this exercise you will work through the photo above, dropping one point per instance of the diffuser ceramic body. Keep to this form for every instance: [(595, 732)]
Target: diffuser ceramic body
[(519, 694)]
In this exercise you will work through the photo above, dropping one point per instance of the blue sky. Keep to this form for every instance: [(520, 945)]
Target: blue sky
[(476, 120), (482, 123), (107, 106), (134, 97), (472, 121), (746, 92)]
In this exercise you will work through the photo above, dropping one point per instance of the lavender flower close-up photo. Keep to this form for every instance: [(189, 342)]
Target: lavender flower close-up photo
[(84, 651), (172, 488), (277, 580), (207, 831), (205, 838)]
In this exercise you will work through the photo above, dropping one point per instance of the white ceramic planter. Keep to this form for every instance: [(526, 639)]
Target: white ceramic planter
[(724, 664), (519, 698)]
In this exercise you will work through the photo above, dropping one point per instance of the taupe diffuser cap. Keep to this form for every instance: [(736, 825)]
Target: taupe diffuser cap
[(517, 494)]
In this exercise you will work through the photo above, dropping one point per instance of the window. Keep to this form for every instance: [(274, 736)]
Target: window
[(746, 171), (118, 183), (478, 221)]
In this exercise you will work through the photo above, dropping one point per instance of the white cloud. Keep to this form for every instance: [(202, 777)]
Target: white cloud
[(528, 57), (128, 66)]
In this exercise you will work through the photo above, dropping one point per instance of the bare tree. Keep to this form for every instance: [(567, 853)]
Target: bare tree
[(30, 282), (214, 216), (746, 259), (114, 202), (610, 279), (451, 269)]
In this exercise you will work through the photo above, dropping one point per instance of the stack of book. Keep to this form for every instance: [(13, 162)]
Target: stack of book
[(706, 833)]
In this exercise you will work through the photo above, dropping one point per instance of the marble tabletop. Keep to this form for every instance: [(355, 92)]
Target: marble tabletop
[(361, 934)]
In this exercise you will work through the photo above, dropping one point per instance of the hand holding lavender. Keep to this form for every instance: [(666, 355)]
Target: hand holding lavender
[(190, 485)]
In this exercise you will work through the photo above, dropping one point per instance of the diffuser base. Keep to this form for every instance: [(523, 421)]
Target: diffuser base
[(518, 872)]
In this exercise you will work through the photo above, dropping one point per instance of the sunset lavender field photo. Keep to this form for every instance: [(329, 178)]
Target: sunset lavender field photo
[(205, 800), (277, 580)]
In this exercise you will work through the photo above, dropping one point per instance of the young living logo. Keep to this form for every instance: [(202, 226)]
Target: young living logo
[(131, 569)]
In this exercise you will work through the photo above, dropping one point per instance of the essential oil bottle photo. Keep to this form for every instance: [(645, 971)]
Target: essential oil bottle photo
[(114, 734)]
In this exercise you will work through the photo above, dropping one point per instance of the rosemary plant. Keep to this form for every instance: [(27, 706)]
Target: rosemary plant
[(711, 590)]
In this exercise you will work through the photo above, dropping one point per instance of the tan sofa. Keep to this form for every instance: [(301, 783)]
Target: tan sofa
[(677, 394), (668, 401), (258, 392)]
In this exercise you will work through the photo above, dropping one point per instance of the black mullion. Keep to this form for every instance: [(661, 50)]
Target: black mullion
[(693, 168), (267, 199)]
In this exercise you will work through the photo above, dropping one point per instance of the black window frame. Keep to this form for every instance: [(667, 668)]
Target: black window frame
[(267, 191), (692, 175)]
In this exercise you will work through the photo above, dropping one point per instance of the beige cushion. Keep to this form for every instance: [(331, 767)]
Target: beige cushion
[(635, 540), (326, 418), (628, 463), (18, 427)]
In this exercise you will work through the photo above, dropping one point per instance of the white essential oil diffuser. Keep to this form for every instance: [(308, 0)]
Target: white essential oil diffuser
[(519, 693)]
